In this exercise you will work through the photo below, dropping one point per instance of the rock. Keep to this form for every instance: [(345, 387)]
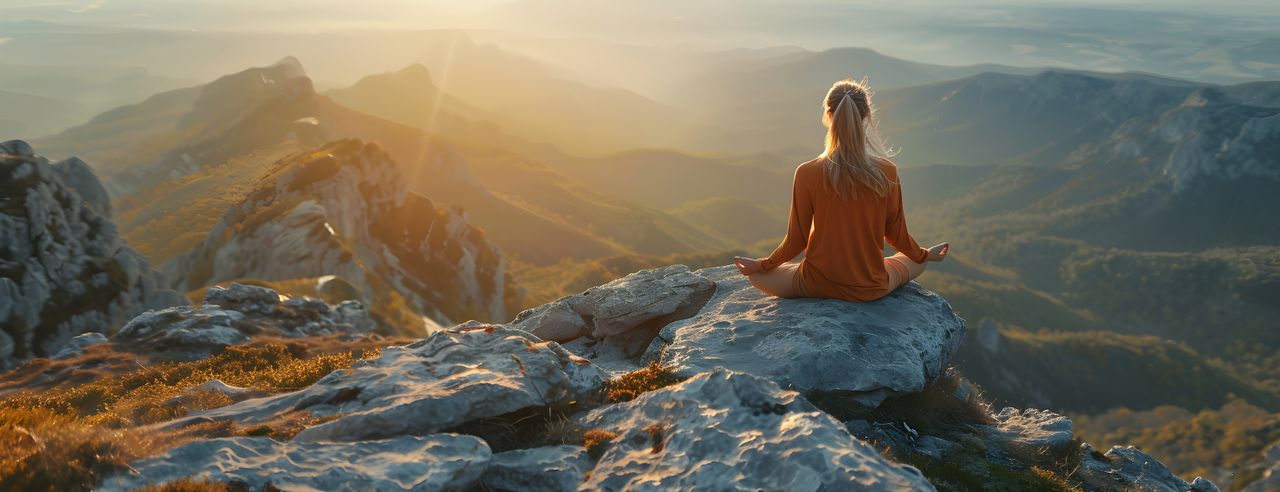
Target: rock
[(1270, 481), (76, 345), (1127, 468), (622, 316), (64, 270), (873, 350), (645, 299), (428, 463), (1032, 429), (233, 393), (556, 321), (338, 289), (232, 315), (75, 173), (17, 148), (552, 468), (739, 431), (432, 385), (343, 210)]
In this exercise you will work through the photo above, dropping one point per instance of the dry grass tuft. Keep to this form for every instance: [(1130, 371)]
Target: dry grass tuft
[(632, 384), (71, 436), (597, 441)]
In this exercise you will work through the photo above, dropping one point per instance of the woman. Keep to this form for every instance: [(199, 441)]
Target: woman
[(844, 204)]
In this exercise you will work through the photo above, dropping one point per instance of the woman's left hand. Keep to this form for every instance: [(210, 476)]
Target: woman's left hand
[(748, 266)]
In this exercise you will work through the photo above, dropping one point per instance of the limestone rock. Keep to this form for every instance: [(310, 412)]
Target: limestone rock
[(232, 315), (1270, 481), (1127, 468), (429, 463), (552, 468), (737, 431), (432, 385), (872, 350), (76, 345), (624, 314), (64, 270)]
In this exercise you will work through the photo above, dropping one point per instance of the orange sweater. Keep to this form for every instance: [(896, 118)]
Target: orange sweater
[(844, 238)]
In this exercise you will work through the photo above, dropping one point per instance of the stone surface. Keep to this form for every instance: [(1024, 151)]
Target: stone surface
[(64, 270), (1270, 480), (873, 350), (232, 315), (1031, 428), (1128, 468), (430, 463), (432, 385), (734, 430), (622, 316), (552, 468), (77, 344)]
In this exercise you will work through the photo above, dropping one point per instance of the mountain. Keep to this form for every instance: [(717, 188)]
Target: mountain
[(343, 210), (88, 89), (63, 269), (29, 115), (173, 172)]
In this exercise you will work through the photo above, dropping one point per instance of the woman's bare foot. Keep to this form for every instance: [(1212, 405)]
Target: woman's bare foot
[(939, 252)]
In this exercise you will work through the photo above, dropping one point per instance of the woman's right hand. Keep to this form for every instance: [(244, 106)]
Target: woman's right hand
[(939, 252)]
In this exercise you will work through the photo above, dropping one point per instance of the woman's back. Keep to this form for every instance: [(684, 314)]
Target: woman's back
[(844, 257)]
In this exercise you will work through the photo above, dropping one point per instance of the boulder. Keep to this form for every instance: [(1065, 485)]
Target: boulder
[(432, 385), (428, 463), (624, 314), (734, 430), (76, 345), (872, 350), (234, 314), (552, 468), (1128, 468)]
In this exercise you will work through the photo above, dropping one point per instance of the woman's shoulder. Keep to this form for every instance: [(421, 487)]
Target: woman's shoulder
[(886, 165)]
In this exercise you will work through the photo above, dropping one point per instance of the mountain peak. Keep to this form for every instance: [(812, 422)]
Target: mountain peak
[(291, 62)]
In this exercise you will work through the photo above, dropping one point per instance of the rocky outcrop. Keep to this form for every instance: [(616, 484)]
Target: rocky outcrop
[(723, 428), (615, 322), (551, 468), (63, 268), (343, 210), (695, 321), (1270, 480), (233, 315), (873, 350), (441, 462), (435, 384), (1128, 468)]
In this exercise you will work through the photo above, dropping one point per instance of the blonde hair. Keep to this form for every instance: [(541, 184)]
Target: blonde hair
[(852, 140)]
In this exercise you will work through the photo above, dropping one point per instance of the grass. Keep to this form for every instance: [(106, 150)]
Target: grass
[(597, 442), (72, 435), (632, 384), (935, 410)]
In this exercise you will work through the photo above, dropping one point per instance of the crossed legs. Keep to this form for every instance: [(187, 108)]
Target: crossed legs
[(782, 282)]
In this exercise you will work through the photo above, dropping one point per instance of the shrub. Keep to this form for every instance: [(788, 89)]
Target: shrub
[(632, 384)]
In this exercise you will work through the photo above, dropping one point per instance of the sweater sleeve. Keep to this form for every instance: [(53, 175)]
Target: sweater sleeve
[(895, 227), (799, 223)]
